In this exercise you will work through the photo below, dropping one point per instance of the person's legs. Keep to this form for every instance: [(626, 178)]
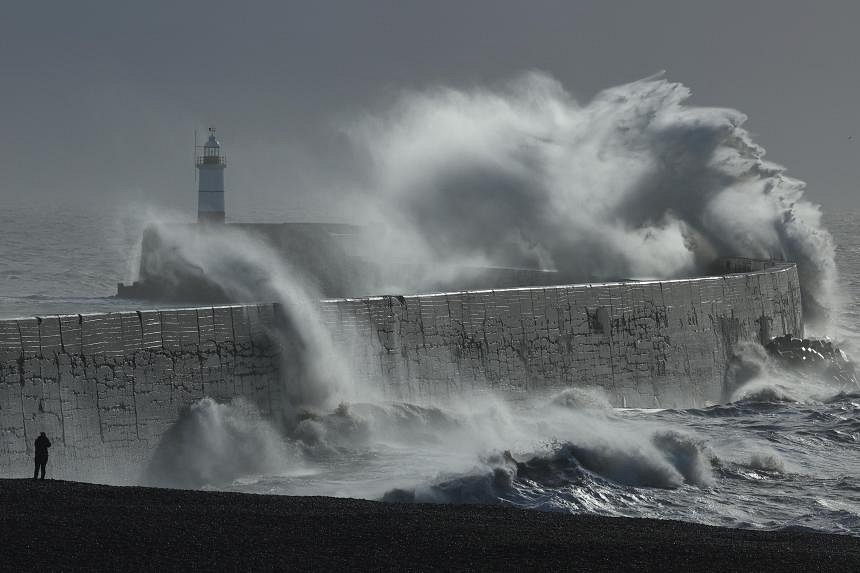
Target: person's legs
[(36, 469), (44, 463)]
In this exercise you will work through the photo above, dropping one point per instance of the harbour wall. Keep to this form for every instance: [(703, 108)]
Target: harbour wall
[(106, 387), (646, 344)]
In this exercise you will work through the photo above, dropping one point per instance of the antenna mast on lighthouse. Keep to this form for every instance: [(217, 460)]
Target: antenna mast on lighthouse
[(210, 189)]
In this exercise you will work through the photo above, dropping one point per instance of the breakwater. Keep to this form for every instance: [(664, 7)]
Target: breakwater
[(646, 344), (107, 387)]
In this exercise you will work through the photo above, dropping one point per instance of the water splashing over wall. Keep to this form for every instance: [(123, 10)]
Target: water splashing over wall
[(634, 183)]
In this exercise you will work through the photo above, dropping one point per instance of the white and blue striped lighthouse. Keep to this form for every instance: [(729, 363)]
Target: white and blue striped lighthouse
[(210, 190)]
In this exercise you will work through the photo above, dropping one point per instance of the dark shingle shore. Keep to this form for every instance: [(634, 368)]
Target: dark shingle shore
[(68, 525)]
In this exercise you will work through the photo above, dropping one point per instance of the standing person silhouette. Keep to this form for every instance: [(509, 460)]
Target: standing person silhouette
[(42, 445)]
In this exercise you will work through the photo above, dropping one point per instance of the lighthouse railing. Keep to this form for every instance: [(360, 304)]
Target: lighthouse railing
[(211, 160)]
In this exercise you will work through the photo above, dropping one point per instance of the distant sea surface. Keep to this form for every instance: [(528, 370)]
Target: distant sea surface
[(65, 258), (784, 456), (58, 256)]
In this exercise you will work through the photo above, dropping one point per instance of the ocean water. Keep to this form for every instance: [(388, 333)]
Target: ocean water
[(58, 257), (785, 453)]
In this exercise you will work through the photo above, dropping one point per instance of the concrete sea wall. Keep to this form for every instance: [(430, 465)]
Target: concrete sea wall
[(107, 387), (646, 344)]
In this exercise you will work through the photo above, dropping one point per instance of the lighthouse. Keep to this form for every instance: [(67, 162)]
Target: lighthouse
[(210, 190)]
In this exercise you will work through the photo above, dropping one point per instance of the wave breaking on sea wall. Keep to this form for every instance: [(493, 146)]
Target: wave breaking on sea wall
[(634, 183)]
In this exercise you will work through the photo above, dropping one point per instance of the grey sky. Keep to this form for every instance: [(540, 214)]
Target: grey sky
[(100, 99)]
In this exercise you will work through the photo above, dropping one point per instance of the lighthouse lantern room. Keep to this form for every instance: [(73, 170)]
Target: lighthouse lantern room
[(210, 190)]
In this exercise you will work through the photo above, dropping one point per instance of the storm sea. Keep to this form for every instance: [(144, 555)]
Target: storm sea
[(783, 454)]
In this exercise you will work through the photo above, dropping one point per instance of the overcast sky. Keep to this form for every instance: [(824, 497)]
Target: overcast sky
[(100, 99)]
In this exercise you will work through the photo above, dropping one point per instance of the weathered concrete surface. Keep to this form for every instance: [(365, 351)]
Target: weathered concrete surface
[(647, 344), (106, 387)]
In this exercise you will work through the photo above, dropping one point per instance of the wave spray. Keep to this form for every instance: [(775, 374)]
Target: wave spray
[(634, 183)]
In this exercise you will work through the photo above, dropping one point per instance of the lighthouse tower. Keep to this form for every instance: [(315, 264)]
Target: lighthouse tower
[(210, 191)]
